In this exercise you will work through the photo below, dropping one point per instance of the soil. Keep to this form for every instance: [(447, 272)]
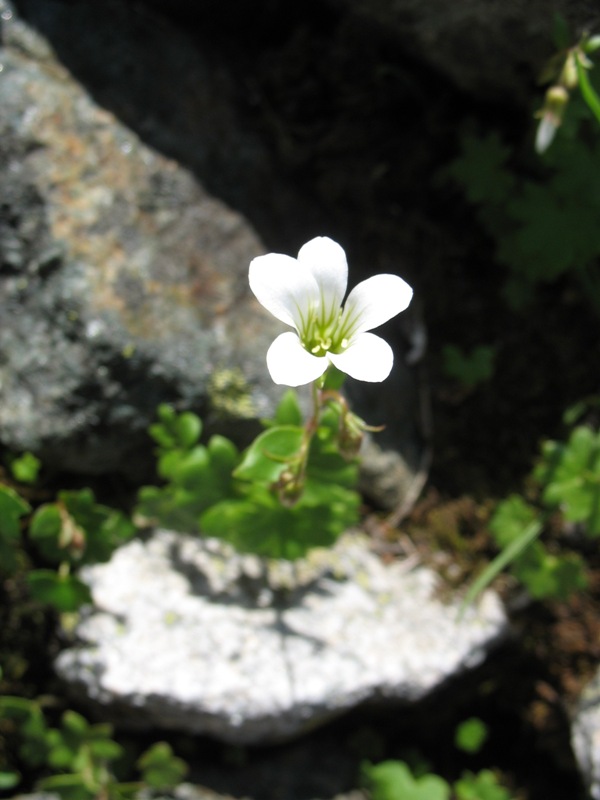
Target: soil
[(362, 145)]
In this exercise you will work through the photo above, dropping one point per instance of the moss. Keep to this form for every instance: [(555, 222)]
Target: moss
[(229, 394)]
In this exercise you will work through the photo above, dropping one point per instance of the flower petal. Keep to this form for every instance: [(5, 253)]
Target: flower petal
[(283, 287), (290, 364), (326, 261), (368, 358), (545, 133), (373, 302)]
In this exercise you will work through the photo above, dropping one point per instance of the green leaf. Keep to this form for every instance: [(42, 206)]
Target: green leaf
[(8, 558), (25, 468), (470, 735), (511, 517), (481, 170), (269, 453), (106, 749), (170, 506), (79, 530), (393, 780), (469, 368), (75, 723), (334, 378), (482, 786), (45, 530), (46, 523), (18, 708), (175, 430), (9, 779), (160, 768), (548, 575), (185, 468), (64, 592), (254, 525), (325, 464), (571, 474), (188, 428), (12, 508), (224, 456), (198, 479), (511, 551), (61, 756), (68, 787), (288, 411), (259, 524)]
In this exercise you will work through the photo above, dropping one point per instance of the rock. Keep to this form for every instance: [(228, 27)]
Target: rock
[(186, 634), (585, 736), (124, 281), (494, 51)]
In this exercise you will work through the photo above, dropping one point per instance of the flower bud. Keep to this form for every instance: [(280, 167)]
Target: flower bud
[(289, 487), (551, 116), (568, 75), (556, 100), (351, 435)]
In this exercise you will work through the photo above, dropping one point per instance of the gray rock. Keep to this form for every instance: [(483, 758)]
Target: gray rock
[(184, 791), (585, 736), (184, 633), (124, 283)]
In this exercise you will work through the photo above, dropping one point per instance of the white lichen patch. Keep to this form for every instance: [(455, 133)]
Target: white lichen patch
[(252, 650)]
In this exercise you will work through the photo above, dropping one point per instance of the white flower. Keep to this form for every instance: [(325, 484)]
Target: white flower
[(550, 117), (546, 130), (306, 293)]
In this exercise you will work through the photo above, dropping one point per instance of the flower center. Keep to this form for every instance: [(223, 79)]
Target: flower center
[(321, 337)]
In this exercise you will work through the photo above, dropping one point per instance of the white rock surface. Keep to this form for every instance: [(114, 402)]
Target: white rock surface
[(187, 634), (585, 736)]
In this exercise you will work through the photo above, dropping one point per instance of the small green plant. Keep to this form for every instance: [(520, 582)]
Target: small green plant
[(394, 780), (543, 220), (566, 489), (80, 761), (469, 368), (71, 531), (195, 476), (68, 533), (160, 768), (12, 509), (282, 496), (482, 785), (569, 474)]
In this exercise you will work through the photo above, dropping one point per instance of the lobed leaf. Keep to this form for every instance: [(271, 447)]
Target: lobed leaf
[(64, 592), (393, 780), (269, 453)]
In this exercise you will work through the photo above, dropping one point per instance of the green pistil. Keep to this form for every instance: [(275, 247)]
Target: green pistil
[(321, 337), (331, 335)]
